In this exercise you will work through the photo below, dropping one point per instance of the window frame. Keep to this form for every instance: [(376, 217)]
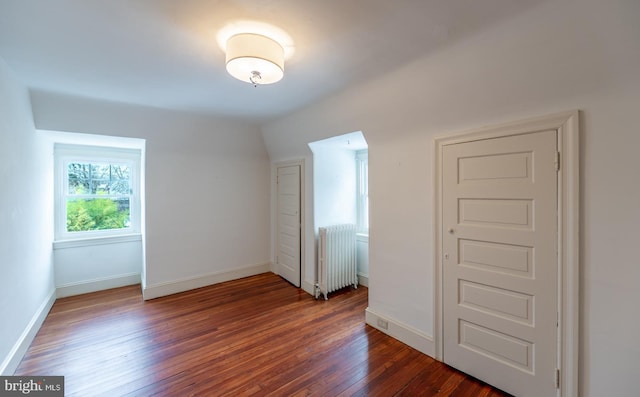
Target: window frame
[(68, 153), (362, 183)]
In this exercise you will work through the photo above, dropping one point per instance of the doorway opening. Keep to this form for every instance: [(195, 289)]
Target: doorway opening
[(340, 189)]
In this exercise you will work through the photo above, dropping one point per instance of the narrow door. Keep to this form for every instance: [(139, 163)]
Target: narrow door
[(288, 255), (500, 264)]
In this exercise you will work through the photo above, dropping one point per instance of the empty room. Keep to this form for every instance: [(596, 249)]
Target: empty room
[(295, 197)]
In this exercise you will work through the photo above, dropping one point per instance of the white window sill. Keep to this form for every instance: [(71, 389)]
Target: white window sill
[(362, 237), (87, 242)]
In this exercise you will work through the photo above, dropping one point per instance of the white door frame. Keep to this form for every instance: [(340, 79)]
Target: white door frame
[(567, 125), (274, 214)]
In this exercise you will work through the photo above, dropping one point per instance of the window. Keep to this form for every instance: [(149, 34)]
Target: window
[(362, 190), (97, 191)]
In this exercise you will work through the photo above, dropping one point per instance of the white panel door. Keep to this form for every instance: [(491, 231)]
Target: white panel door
[(288, 255), (500, 261)]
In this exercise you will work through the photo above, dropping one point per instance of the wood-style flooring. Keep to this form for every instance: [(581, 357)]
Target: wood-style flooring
[(255, 336)]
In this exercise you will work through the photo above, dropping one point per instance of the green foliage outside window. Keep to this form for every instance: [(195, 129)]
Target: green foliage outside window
[(97, 214)]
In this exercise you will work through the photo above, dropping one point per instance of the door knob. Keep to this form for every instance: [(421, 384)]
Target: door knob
[(451, 230)]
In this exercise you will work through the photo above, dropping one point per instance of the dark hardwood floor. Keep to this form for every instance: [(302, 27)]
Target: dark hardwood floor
[(255, 336)]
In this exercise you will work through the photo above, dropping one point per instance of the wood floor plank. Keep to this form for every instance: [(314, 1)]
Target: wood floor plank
[(257, 336)]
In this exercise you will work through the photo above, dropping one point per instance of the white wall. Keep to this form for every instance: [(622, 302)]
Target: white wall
[(83, 269), (562, 55), (334, 186), (26, 229), (207, 188), (362, 249)]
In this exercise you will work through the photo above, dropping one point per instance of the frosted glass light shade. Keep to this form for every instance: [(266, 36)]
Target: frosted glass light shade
[(248, 53)]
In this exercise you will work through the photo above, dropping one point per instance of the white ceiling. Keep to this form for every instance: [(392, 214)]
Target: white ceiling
[(164, 53)]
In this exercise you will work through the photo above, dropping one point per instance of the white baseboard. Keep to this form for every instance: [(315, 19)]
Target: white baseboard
[(173, 287), (11, 362), (308, 287), (402, 332), (363, 280), (99, 284)]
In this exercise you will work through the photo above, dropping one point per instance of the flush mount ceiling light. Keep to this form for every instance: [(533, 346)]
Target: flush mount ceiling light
[(255, 58)]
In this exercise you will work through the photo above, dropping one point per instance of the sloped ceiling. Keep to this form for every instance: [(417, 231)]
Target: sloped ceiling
[(164, 53)]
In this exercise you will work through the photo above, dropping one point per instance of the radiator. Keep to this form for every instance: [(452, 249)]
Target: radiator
[(337, 265)]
